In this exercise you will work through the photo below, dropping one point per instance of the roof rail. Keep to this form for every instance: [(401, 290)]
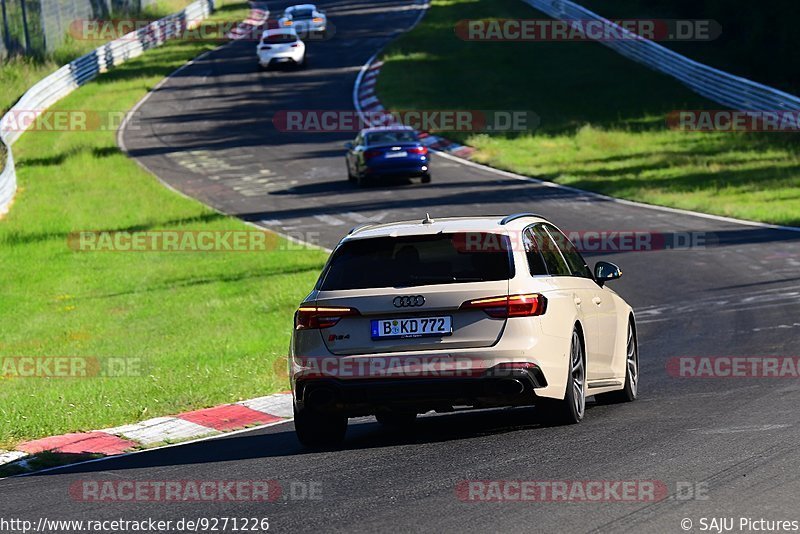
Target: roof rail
[(515, 216), (358, 227)]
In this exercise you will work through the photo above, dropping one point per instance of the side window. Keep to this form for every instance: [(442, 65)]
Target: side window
[(577, 264), (534, 254), (552, 257)]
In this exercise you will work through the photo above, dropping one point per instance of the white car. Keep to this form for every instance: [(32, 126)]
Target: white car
[(305, 19), (280, 46), (465, 312)]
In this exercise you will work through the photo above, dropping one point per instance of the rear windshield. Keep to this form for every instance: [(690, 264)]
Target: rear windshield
[(391, 136), (415, 261), (302, 13), (279, 38)]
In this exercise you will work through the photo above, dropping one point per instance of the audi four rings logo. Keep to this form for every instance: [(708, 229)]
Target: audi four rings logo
[(408, 302)]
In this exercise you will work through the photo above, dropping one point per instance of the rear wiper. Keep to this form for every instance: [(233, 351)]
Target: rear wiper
[(448, 278)]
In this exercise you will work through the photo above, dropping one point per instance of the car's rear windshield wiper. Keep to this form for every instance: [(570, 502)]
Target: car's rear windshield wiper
[(446, 278)]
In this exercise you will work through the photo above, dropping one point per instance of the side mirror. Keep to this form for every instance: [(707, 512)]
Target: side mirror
[(605, 272), (348, 145)]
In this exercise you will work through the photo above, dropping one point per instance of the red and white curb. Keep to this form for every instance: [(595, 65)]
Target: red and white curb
[(6, 457), (162, 430), (373, 113), (251, 26)]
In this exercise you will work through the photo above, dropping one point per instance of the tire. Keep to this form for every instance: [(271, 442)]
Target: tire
[(426, 178), (350, 177), (631, 389), (396, 419), (570, 410), (319, 430), (361, 181)]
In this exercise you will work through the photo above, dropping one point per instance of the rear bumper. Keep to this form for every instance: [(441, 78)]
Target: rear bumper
[(495, 387), (286, 57), (414, 169), (310, 30)]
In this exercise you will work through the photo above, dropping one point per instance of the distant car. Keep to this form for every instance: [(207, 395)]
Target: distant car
[(280, 46), (387, 151), (460, 312), (305, 19)]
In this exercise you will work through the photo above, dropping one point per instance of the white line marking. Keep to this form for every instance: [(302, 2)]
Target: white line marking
[(329, 219), (617, 200), (737, 429), (357, 217)]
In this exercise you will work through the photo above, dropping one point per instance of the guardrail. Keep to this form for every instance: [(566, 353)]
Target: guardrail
[(721, 87), (59, 84)]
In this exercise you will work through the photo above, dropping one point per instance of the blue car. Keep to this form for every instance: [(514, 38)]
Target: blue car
[(387, 152)]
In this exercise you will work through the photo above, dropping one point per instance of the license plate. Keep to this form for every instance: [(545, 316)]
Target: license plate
[(412, 327), (400, 154)]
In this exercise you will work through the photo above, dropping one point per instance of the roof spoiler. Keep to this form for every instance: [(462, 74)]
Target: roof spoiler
[(359, 227), (515, 216)]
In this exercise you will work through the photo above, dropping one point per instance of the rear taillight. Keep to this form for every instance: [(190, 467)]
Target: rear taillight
[(295, 45), (369, 154), (418, 150), (314, 317), (510, 306)]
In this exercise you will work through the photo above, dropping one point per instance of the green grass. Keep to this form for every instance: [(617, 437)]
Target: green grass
[(603, 122), (210, 327)]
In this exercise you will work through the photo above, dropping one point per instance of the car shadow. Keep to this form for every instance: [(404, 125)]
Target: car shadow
[(362, 433)]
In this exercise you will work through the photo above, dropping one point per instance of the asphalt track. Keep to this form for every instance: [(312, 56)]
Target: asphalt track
[(208, 133)]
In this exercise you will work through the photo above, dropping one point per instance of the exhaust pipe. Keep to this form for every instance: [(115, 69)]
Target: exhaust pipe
[(319, 397), (508, 387)]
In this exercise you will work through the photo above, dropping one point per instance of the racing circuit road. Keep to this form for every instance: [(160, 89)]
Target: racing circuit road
[(208, 133)]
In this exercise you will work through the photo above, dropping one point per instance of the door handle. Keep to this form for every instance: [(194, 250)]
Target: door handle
[(597, 300), (577, 301)]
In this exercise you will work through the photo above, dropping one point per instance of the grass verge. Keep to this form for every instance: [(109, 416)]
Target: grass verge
[(201, 328), (603, 122)]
